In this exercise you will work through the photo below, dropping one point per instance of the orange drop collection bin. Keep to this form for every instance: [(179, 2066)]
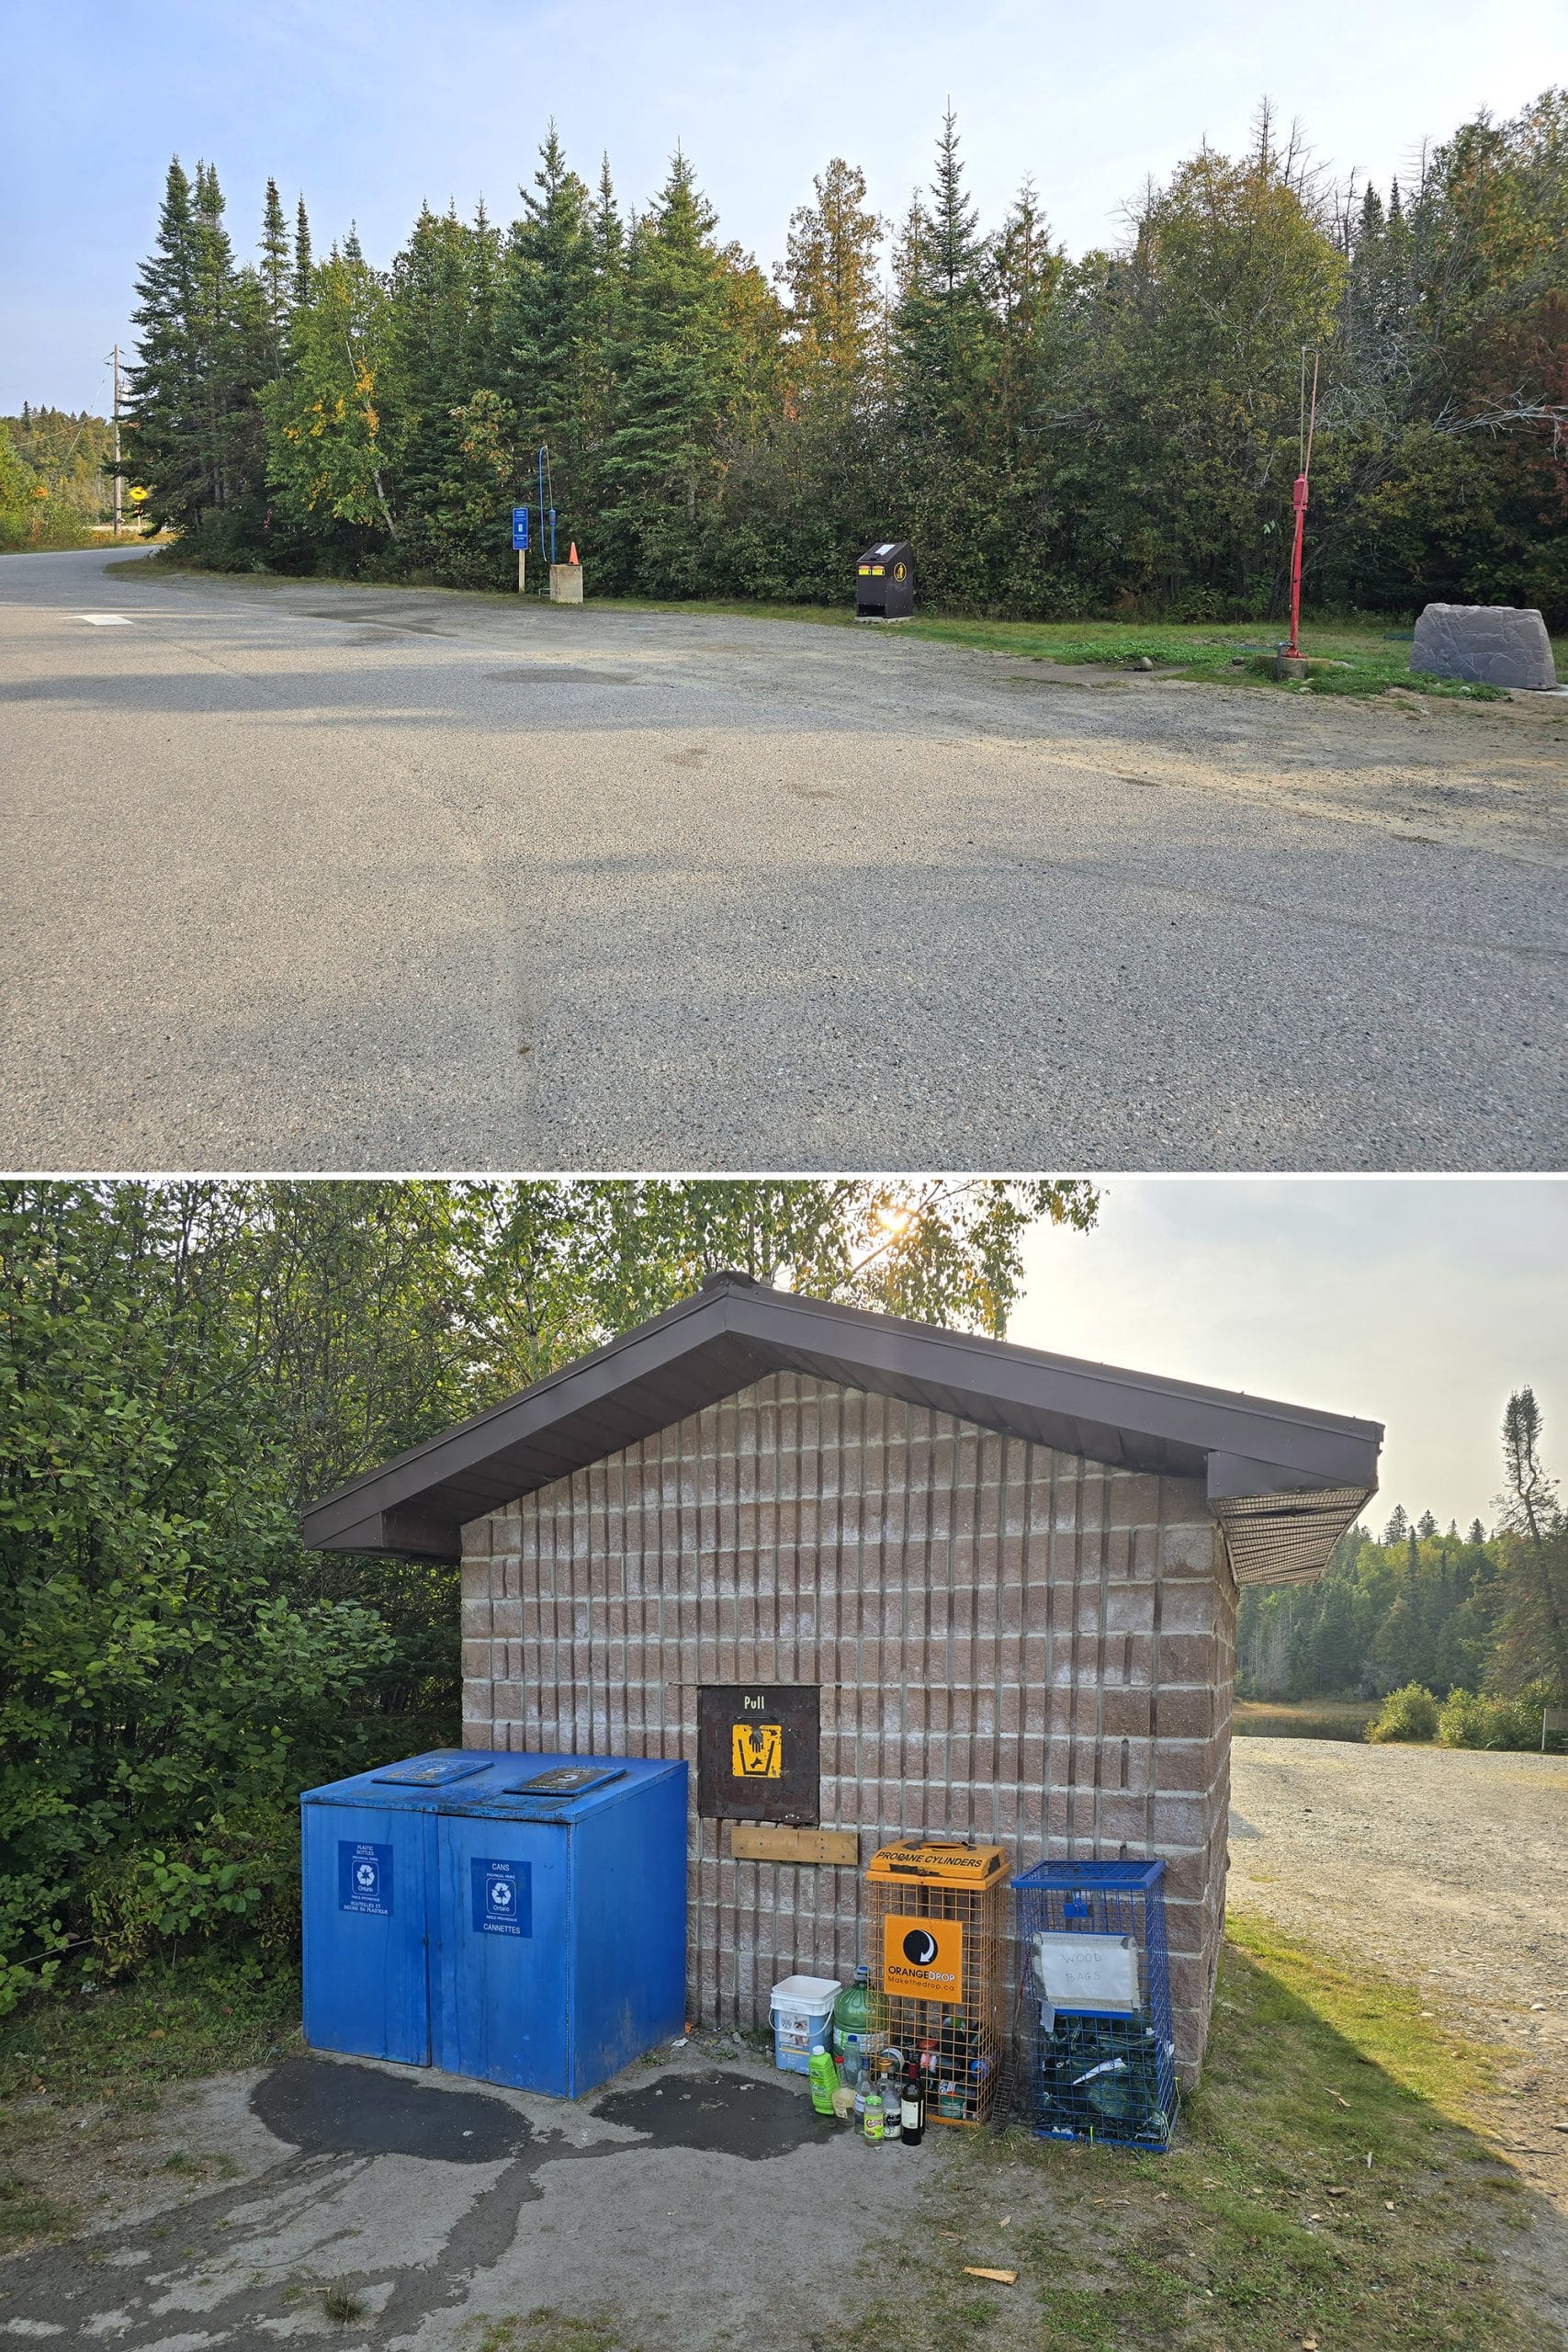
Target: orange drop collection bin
[(936, 1940)]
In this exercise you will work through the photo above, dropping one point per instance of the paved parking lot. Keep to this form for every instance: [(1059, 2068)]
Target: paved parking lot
[(306, 875)]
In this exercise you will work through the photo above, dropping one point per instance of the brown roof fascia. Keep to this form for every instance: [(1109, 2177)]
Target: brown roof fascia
[(733, 1331)]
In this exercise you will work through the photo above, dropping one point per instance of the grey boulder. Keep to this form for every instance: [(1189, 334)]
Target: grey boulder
[(1491, 645)]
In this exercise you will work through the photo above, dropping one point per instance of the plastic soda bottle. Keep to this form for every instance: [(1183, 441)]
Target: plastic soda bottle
[(824, 2078), (875, 2122)]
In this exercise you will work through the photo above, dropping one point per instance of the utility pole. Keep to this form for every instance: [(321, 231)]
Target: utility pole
[(118, 485)]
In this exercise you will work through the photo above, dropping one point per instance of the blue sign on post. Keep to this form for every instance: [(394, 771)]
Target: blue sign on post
[(520, 529)]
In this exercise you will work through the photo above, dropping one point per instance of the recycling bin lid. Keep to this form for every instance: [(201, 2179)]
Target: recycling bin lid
[(549, 1787), (434, 1771), (565, 1781)]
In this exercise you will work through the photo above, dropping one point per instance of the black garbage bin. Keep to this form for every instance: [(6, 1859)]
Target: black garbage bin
[(885, 583)]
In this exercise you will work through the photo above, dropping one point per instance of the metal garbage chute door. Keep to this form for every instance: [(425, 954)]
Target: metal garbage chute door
[(759, 1752)]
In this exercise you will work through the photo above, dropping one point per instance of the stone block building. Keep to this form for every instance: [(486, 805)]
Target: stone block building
[(993, 1590)]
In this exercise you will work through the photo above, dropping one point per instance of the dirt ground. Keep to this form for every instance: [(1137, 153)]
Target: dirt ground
[(1449, 1870)]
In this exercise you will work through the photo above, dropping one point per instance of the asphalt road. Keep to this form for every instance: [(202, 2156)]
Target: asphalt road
[(309, 876)]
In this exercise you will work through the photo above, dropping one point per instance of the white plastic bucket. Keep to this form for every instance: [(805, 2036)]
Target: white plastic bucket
[(801, 2011)]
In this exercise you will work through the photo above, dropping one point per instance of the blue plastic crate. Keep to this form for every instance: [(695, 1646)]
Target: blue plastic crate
[(1101, 2057)]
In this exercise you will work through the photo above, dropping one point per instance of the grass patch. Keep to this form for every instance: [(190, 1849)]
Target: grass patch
[(25, 2212), (549, 2331), (1303, 1719), (120, 2043), (1265, 2227)]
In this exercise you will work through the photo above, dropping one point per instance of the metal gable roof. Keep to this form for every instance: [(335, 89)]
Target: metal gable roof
[(1292, 1478)]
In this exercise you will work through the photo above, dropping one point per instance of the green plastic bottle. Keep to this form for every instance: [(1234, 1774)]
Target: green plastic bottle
[(824, 2078), (859, 2011)]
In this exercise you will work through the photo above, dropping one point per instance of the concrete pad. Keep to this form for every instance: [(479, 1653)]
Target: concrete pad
[(699, 2201)]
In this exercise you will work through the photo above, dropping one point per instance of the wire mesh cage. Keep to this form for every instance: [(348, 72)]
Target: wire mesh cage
[(937, 1921), (1095, 1991)]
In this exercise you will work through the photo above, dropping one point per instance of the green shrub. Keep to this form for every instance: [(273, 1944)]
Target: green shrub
[(1471, 1719), (1408, 1713)]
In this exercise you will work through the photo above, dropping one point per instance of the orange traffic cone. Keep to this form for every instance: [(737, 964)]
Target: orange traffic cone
[(572, 557)]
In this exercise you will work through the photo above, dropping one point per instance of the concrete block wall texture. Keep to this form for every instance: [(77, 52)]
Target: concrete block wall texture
[(1011, 1641)]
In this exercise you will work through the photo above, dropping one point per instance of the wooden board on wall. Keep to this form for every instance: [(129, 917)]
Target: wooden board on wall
[(771, 1841)]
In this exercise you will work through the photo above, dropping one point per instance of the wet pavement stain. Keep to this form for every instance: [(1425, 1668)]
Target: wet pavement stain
[(357, 2110), (730, 2115)]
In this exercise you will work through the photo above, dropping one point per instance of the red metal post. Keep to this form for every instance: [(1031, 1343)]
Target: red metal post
[(1299, 497)]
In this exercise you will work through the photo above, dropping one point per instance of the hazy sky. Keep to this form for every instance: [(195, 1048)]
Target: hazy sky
[(1418, 1303), (368, 110)]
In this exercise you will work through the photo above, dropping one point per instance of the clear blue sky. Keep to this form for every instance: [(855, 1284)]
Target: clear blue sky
[(367, 109), (1418, 1302)]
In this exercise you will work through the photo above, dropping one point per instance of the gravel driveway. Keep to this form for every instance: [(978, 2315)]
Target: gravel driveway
[(1448, 1870)]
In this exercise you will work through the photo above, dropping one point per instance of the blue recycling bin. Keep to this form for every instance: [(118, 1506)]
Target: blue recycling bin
[(517, 1918)]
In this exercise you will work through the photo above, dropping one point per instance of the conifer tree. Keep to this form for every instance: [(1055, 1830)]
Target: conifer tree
[(830, 272), (607, 237), (671, 379), (161, 440), (548, 320), (942, 326), (302, 254), (1025, 273), (440, 301), (276, 274)]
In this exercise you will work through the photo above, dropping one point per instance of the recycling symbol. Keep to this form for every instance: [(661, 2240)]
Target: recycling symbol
[(500, 1895), (365, 1876)]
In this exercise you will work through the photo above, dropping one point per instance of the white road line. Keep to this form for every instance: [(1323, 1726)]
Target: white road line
[(104, 621)]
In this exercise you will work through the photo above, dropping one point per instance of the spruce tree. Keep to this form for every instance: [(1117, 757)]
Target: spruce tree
[(437, 289), (162, 443), (302, 254), (276, 274), (943, 327), (671, 380), (547, 321)]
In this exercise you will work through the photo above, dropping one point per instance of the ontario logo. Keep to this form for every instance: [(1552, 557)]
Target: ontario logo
[(923, 1959)]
